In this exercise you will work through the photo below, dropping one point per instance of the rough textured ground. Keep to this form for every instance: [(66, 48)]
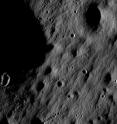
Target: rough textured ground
[(67, 71)]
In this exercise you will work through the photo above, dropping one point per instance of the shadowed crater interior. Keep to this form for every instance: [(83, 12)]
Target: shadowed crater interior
[(92, 16)]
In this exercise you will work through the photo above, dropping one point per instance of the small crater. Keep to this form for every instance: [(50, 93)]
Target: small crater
[(59, 83), (76, 95), (39, 86), (90, 121), (5, 79), (107, 78), (84, 71), (72, 35), (98, 118)]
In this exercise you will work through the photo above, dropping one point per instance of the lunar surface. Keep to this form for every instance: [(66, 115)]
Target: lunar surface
[(60, 66)]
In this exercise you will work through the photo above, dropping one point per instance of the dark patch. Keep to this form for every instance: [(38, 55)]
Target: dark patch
[(49, 48), (76, 95), (90, 121), (47, 70), (47, 101), (74, 52), (36, 120), (9, 112), (98, 118), (59, 83), (84, 71), (4, 120), (104, 90), (32, 98), (72, 35), (72, 120), (92, 11), (28, 86), (39, 86), (107, 78), (108, 121), (110, 98), (105, 116)]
